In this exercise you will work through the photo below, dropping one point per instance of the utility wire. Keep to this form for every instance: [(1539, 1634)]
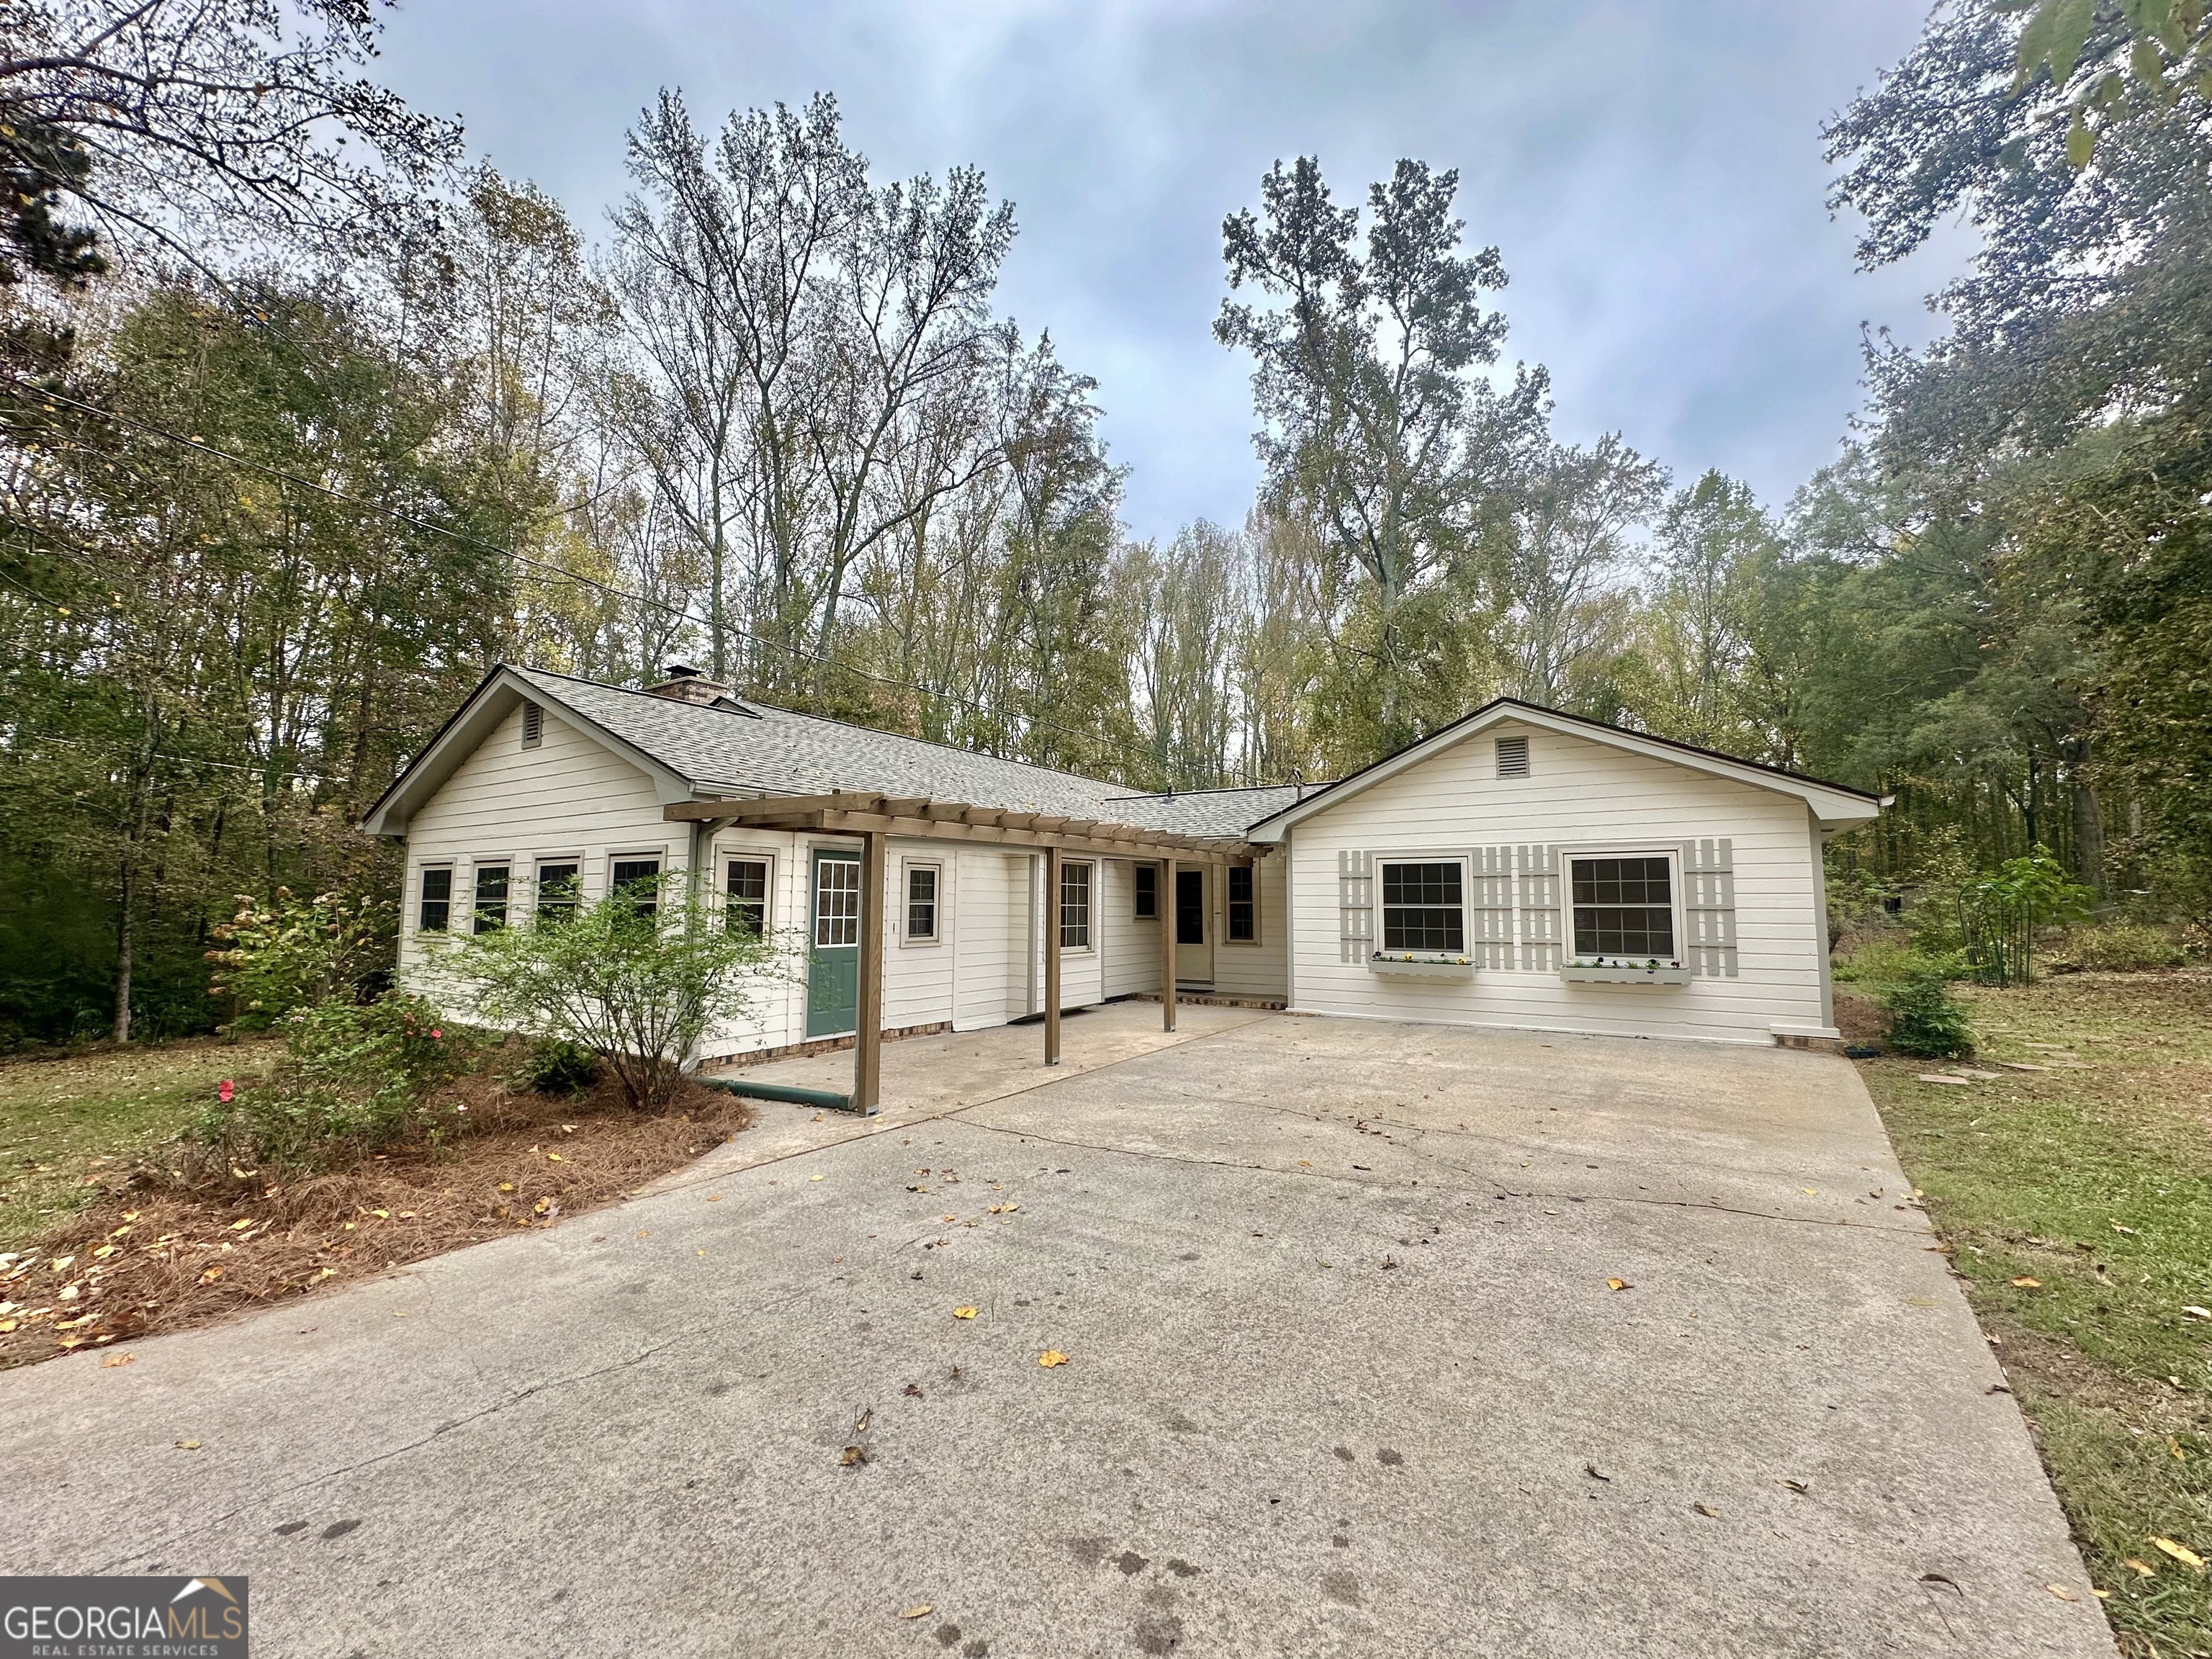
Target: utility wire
[(552, 570)]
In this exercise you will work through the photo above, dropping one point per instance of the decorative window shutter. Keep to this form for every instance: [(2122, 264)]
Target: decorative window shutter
[(1539, 870), (1709, 903), (1490, 908), (1355, 904)]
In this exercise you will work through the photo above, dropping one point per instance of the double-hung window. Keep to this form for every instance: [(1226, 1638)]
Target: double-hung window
[(1243, 906), (745, 884), (1423, 906), (921, 903), (1074, 907), (1146, 905), (437, 909), (637, 880), (490, 903), (1624, 907), (556, 889)]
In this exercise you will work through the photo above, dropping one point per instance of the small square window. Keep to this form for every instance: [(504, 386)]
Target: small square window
[(490, 898), (1146, 907), (920, 903), (437, 909), (533, 726), (1074, 907), (1513, 757), (1243, 906), (746, 884)]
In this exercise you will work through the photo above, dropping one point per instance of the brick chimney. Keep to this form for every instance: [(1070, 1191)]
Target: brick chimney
[(685, 683)]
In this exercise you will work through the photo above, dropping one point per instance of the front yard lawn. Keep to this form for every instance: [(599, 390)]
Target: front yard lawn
[(65, 1122), (2077, 1200)]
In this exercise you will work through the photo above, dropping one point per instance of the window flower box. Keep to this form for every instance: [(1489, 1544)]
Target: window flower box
[(1625, 970), (1418, 965)]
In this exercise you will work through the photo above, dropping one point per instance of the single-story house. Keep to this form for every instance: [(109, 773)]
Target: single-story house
[(1519, 867)]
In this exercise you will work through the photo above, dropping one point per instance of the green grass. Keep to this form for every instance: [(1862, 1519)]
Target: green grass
[(2097, 1184), (65, 1121)]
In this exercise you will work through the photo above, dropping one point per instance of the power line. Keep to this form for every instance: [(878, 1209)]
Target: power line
[(556, 571)]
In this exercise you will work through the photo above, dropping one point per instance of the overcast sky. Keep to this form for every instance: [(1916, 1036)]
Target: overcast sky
[(1650, 170)]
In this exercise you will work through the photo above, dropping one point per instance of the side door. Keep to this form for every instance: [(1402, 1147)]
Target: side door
[(1194, 941), (833, 958)]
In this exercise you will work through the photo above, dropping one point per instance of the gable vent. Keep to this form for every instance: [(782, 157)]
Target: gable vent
[(1513, 757), (533, 726)]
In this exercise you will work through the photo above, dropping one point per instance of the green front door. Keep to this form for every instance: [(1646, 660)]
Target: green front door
[(833, 961)]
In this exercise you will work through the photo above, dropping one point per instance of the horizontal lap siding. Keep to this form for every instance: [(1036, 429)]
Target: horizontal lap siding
[(1258, 970), (1132, 947), (1577, 792)]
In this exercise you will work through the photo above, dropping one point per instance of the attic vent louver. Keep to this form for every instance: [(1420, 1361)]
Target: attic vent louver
[(1513, 757), (533, 726)]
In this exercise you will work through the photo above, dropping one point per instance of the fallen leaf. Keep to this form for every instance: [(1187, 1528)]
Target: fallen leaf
[(2061, 1592), (381, 1215), (1794, 1486), (2025, 1283), (814, 1177), (115, 1359), (210, 1275), (2181, 1552), (506, 1186), (2196, 1312), (240, 1226), (714, 1198), (1619, 1285), (1707, 1510), (553, 1157), (1810, 1192), (188, 1445), (952, 1218), (919, 1610), (2142, 1567), (2174, 1446), (2119, 1229), (852, 1457), (1050, 1358), (963, 1313)]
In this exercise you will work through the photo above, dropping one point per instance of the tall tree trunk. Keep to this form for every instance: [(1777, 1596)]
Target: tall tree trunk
[(121, 1026)]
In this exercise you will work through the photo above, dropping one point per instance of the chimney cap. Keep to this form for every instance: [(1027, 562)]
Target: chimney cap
[(681, 671)]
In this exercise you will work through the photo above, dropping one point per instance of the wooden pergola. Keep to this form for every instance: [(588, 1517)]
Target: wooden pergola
[(870, 819)]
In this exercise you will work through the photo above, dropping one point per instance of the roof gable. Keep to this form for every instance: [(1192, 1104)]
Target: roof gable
[(1833, 805)]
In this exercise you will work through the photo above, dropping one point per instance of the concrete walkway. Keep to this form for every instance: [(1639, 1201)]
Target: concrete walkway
[(1345, 1377)]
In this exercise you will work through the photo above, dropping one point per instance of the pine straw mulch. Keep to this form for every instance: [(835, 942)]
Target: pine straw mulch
[(154, 1254)]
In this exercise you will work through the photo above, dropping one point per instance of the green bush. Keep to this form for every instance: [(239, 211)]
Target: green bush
[(2119, 945), (555, 1066), (296, 953), (357, 1078), (1925, 1018)]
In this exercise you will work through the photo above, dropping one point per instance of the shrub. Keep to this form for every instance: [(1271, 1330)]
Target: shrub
[(555, 1066), (1925, 1018), (355, 1077), (2118, 945), (297, 954), (636, 978)]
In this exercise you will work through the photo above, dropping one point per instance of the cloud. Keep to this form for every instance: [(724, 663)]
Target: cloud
[(1650, 169)]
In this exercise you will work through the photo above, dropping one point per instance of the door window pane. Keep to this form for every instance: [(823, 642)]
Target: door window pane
[(1422, 908), (1074, 907), (1244, 907), (1190, 907), (921, 902), (437, 900), (557, 891), (837, 902), (747, 887), (1624, 907), (491, 897)]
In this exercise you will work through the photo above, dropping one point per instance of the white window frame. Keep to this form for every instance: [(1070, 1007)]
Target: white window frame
[(494, 861), (1159, 874), (848, 852), (1090, 946), (727, 856), (1568, 857), (538, 863), (453, 885), (936, 937), (1426, 953), (657, 856), (1252, 943)]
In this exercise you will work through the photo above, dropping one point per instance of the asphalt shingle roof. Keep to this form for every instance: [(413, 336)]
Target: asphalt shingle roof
[(778, 751)]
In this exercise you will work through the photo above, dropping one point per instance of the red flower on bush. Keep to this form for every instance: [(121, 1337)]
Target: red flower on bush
[(225, 1089), (437, 1035)]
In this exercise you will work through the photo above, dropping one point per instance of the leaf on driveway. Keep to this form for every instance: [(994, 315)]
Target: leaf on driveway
[(188, 1445), (1050, 1358), (1794, 1485), (1707, 1510), (852, 1457), (814, 1177), (2181, 1552), (115, 1359), (963, 1313), (919, 1610), (1595, 1472), (1619, 1285), (2061, 1592)]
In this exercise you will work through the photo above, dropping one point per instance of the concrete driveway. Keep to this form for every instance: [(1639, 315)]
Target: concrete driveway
[(1344, 1376)]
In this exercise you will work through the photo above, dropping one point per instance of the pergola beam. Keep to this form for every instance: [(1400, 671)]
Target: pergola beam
[(919, 821)]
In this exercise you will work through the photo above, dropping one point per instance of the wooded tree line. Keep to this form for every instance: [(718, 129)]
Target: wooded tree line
[(296, 440)]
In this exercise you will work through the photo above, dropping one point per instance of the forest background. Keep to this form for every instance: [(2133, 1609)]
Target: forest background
[(307, 417)]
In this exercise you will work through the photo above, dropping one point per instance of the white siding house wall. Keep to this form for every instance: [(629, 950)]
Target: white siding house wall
[(1131, 947), (1259, 970), (1583, 796)]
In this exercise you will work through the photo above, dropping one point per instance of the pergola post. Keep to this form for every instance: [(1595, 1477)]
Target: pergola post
[(1167, 909), (868, 1014), (1052, 956)]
